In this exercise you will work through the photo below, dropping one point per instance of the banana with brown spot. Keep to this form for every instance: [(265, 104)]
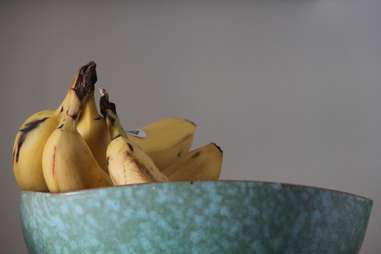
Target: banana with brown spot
[(166, 140), (33, 133), (203, 163), (128, 163), (67, 161)]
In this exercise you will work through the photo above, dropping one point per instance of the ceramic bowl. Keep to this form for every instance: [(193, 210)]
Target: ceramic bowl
[(196, 217)]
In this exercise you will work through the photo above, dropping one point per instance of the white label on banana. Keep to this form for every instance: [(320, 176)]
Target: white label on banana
[(137, 133)]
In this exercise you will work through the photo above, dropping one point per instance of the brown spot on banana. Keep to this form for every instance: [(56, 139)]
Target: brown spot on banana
[(194, 156), (74, 116), (145, 171), (142, 169), (54, 161), (54, 171), (131, 147), (24, 133), (117, 136)]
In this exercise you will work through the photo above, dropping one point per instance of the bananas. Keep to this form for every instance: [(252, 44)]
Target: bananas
[(203, 163), (67, 161), (94, 131), (127, 162), (32, 136), (167, 140), (74, 147)]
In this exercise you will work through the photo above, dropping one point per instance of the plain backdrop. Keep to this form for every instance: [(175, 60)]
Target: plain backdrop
[(289, 89)]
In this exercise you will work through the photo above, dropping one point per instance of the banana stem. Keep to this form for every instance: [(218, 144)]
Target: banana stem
[(108, 110), (116, 129), (83, 86), (86, 79)]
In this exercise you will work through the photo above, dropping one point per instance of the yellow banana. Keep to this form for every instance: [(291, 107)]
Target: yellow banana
[(27, 149), (67, 161), (94, 131), (203, 163), (127, 162), (31, 138), (166, 140)]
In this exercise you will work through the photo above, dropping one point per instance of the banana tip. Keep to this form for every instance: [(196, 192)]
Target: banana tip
[(191, 122), (218, 147)]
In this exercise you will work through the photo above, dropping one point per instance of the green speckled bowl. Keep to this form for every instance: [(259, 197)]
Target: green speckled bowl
[(200, 217)]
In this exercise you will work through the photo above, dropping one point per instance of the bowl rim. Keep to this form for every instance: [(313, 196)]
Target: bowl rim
[(292, 185)]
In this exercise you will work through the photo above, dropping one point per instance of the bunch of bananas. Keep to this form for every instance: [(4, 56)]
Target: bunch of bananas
[(74, 147)]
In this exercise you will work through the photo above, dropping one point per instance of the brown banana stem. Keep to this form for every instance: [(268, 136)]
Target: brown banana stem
[(105, 105), (87, 77)]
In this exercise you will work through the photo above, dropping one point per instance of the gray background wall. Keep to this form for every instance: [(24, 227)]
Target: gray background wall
[(289, 89)]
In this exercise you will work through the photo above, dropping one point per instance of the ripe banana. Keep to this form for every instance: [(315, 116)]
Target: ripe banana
[(94, 131), (27, 149), (32, 135), (67, 161), (203, 163), (166, 140), (127, 162)]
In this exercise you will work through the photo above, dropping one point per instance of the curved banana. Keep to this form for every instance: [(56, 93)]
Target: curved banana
[(166, 140), (127, 162), (203, 163), (27, 149), (67, 161), (94, 131), (32, 135)]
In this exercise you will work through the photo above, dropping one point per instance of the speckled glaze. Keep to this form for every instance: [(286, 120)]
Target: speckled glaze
[(201, 217)]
